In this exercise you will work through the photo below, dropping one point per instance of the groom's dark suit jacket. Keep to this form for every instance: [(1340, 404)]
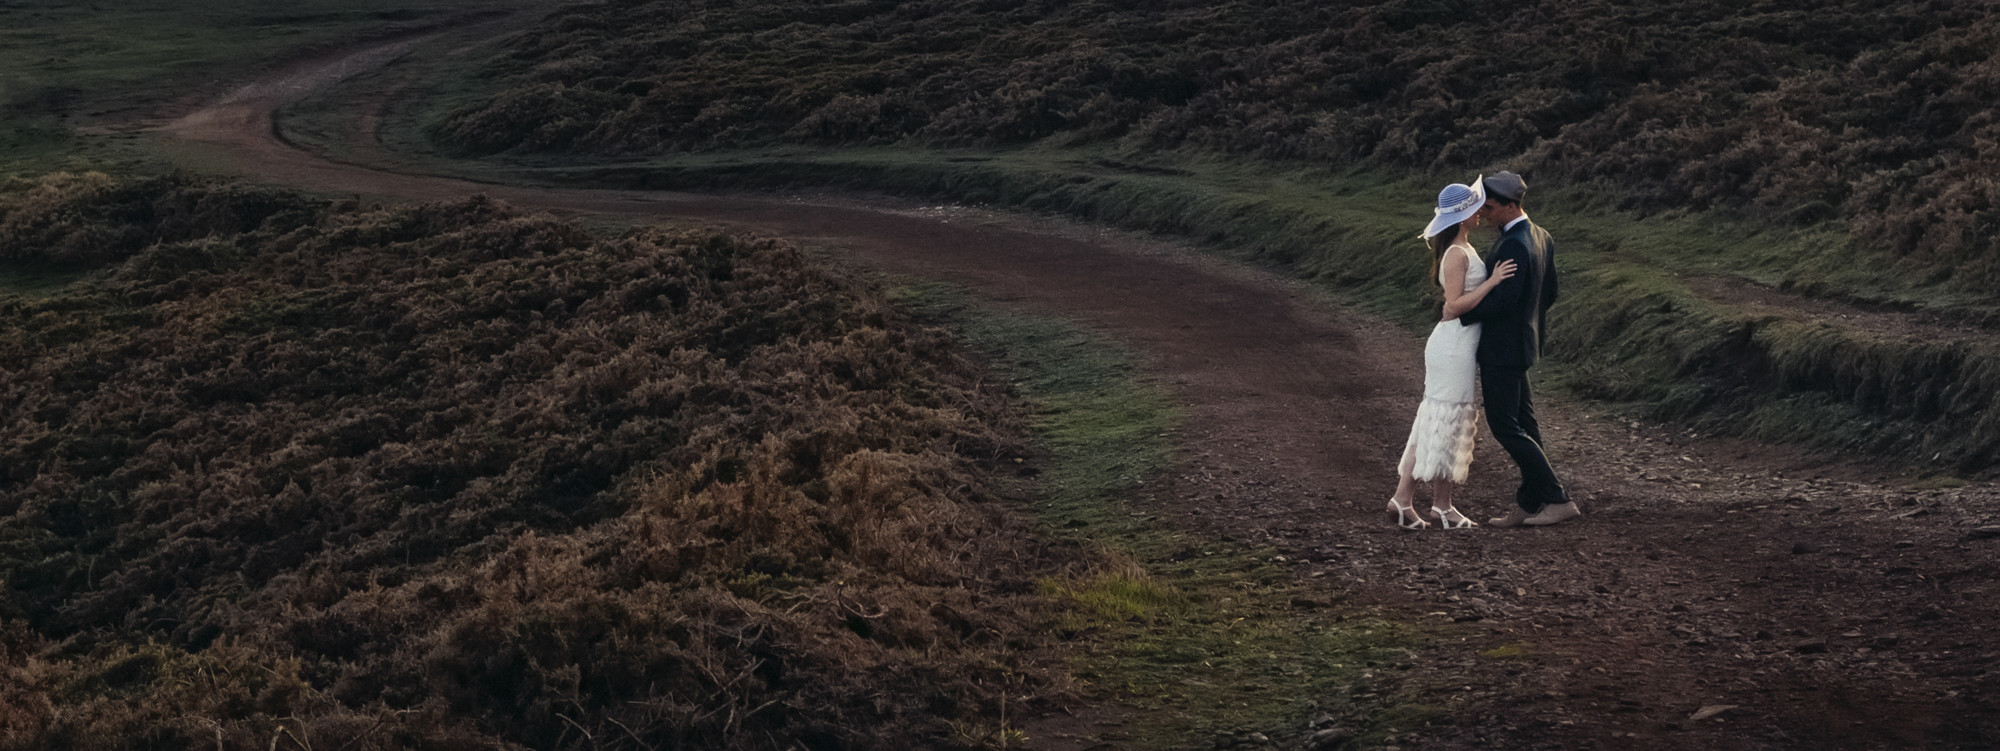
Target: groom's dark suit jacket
[(1517, 310)]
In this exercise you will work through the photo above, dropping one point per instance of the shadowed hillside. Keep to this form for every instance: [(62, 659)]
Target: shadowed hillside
[(1868, 112), (454, 476)]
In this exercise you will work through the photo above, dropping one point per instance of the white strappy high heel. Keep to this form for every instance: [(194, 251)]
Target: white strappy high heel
[(1446, 522), (1402, 512)]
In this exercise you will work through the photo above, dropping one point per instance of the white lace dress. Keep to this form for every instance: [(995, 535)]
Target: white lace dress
[(1440, 444)]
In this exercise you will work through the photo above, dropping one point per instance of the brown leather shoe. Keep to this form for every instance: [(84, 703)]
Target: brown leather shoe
[(1553, 513), (1512, 519)]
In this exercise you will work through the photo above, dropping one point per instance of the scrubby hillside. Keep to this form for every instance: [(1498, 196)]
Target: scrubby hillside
[(281, 474), (1869, 112)]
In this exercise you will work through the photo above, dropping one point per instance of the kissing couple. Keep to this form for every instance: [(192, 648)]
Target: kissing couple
[(1492, 327)]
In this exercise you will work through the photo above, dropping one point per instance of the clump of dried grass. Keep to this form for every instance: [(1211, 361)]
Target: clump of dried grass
[(80, 220), (453, 476)]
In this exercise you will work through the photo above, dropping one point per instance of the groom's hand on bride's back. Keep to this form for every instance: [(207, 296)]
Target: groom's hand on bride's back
[(1507, 294)]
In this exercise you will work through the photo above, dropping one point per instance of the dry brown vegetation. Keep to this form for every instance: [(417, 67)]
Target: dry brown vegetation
[(287, 475), (1869, 112)]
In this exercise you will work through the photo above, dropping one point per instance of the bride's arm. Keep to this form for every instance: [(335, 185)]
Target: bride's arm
[(1457, 301)]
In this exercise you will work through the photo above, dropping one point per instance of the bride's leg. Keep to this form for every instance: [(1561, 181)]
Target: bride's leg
[(1402, 505), (1406, 482), (1441, 494), (1441, 491)]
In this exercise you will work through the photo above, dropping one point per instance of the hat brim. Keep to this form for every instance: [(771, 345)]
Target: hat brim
[(1445, 219)]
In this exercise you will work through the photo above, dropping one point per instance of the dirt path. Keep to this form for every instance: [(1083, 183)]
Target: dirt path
[(1823, 608)]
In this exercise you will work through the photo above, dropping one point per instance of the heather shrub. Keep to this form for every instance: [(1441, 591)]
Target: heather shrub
[(74, 221), (455, 476), (1870, 113)]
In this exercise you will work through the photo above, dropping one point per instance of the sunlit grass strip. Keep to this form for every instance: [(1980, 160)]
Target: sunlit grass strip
[(1197, 636)]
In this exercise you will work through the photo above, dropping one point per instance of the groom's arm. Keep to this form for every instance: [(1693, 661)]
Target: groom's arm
[(1551, 282), (1507, 294)]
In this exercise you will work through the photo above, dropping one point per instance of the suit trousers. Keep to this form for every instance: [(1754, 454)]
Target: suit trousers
[(1510, 412)]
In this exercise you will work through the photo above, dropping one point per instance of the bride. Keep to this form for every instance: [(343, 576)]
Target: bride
[(1440, 447)]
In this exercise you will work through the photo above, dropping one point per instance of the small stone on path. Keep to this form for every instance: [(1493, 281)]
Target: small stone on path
[(1328, 739), (1711, 711)]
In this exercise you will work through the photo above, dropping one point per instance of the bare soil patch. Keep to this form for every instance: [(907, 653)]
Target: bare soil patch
[(1825, 605)]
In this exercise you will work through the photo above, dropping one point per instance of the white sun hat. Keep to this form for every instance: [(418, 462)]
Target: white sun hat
[(1456, 203)]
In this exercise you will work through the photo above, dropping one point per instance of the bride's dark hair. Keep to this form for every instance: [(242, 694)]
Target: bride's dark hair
[(1439, 243)]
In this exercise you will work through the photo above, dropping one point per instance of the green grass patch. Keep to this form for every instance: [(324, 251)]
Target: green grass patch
[(1116, 596), (1941, 482), (1201, 638)]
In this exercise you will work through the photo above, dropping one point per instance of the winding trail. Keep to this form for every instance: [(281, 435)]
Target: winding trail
[(1830, 610)]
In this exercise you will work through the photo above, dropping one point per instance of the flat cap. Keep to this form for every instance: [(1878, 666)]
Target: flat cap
[(1506, 185)]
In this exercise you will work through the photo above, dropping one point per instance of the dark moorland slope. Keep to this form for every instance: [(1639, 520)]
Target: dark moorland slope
[(1874, 113), (452, 476)]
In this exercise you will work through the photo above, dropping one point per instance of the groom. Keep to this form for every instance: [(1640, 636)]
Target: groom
[(1515, 314)]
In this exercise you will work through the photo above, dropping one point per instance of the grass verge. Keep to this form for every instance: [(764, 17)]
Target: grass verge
[(1203, 640)]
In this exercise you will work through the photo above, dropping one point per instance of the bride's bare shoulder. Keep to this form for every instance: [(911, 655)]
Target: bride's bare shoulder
[(1454, 260)]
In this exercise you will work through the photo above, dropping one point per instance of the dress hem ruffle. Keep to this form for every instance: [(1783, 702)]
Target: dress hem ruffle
[(1442, 439)]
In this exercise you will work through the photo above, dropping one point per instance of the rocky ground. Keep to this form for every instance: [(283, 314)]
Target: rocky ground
[(1715, 595)]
